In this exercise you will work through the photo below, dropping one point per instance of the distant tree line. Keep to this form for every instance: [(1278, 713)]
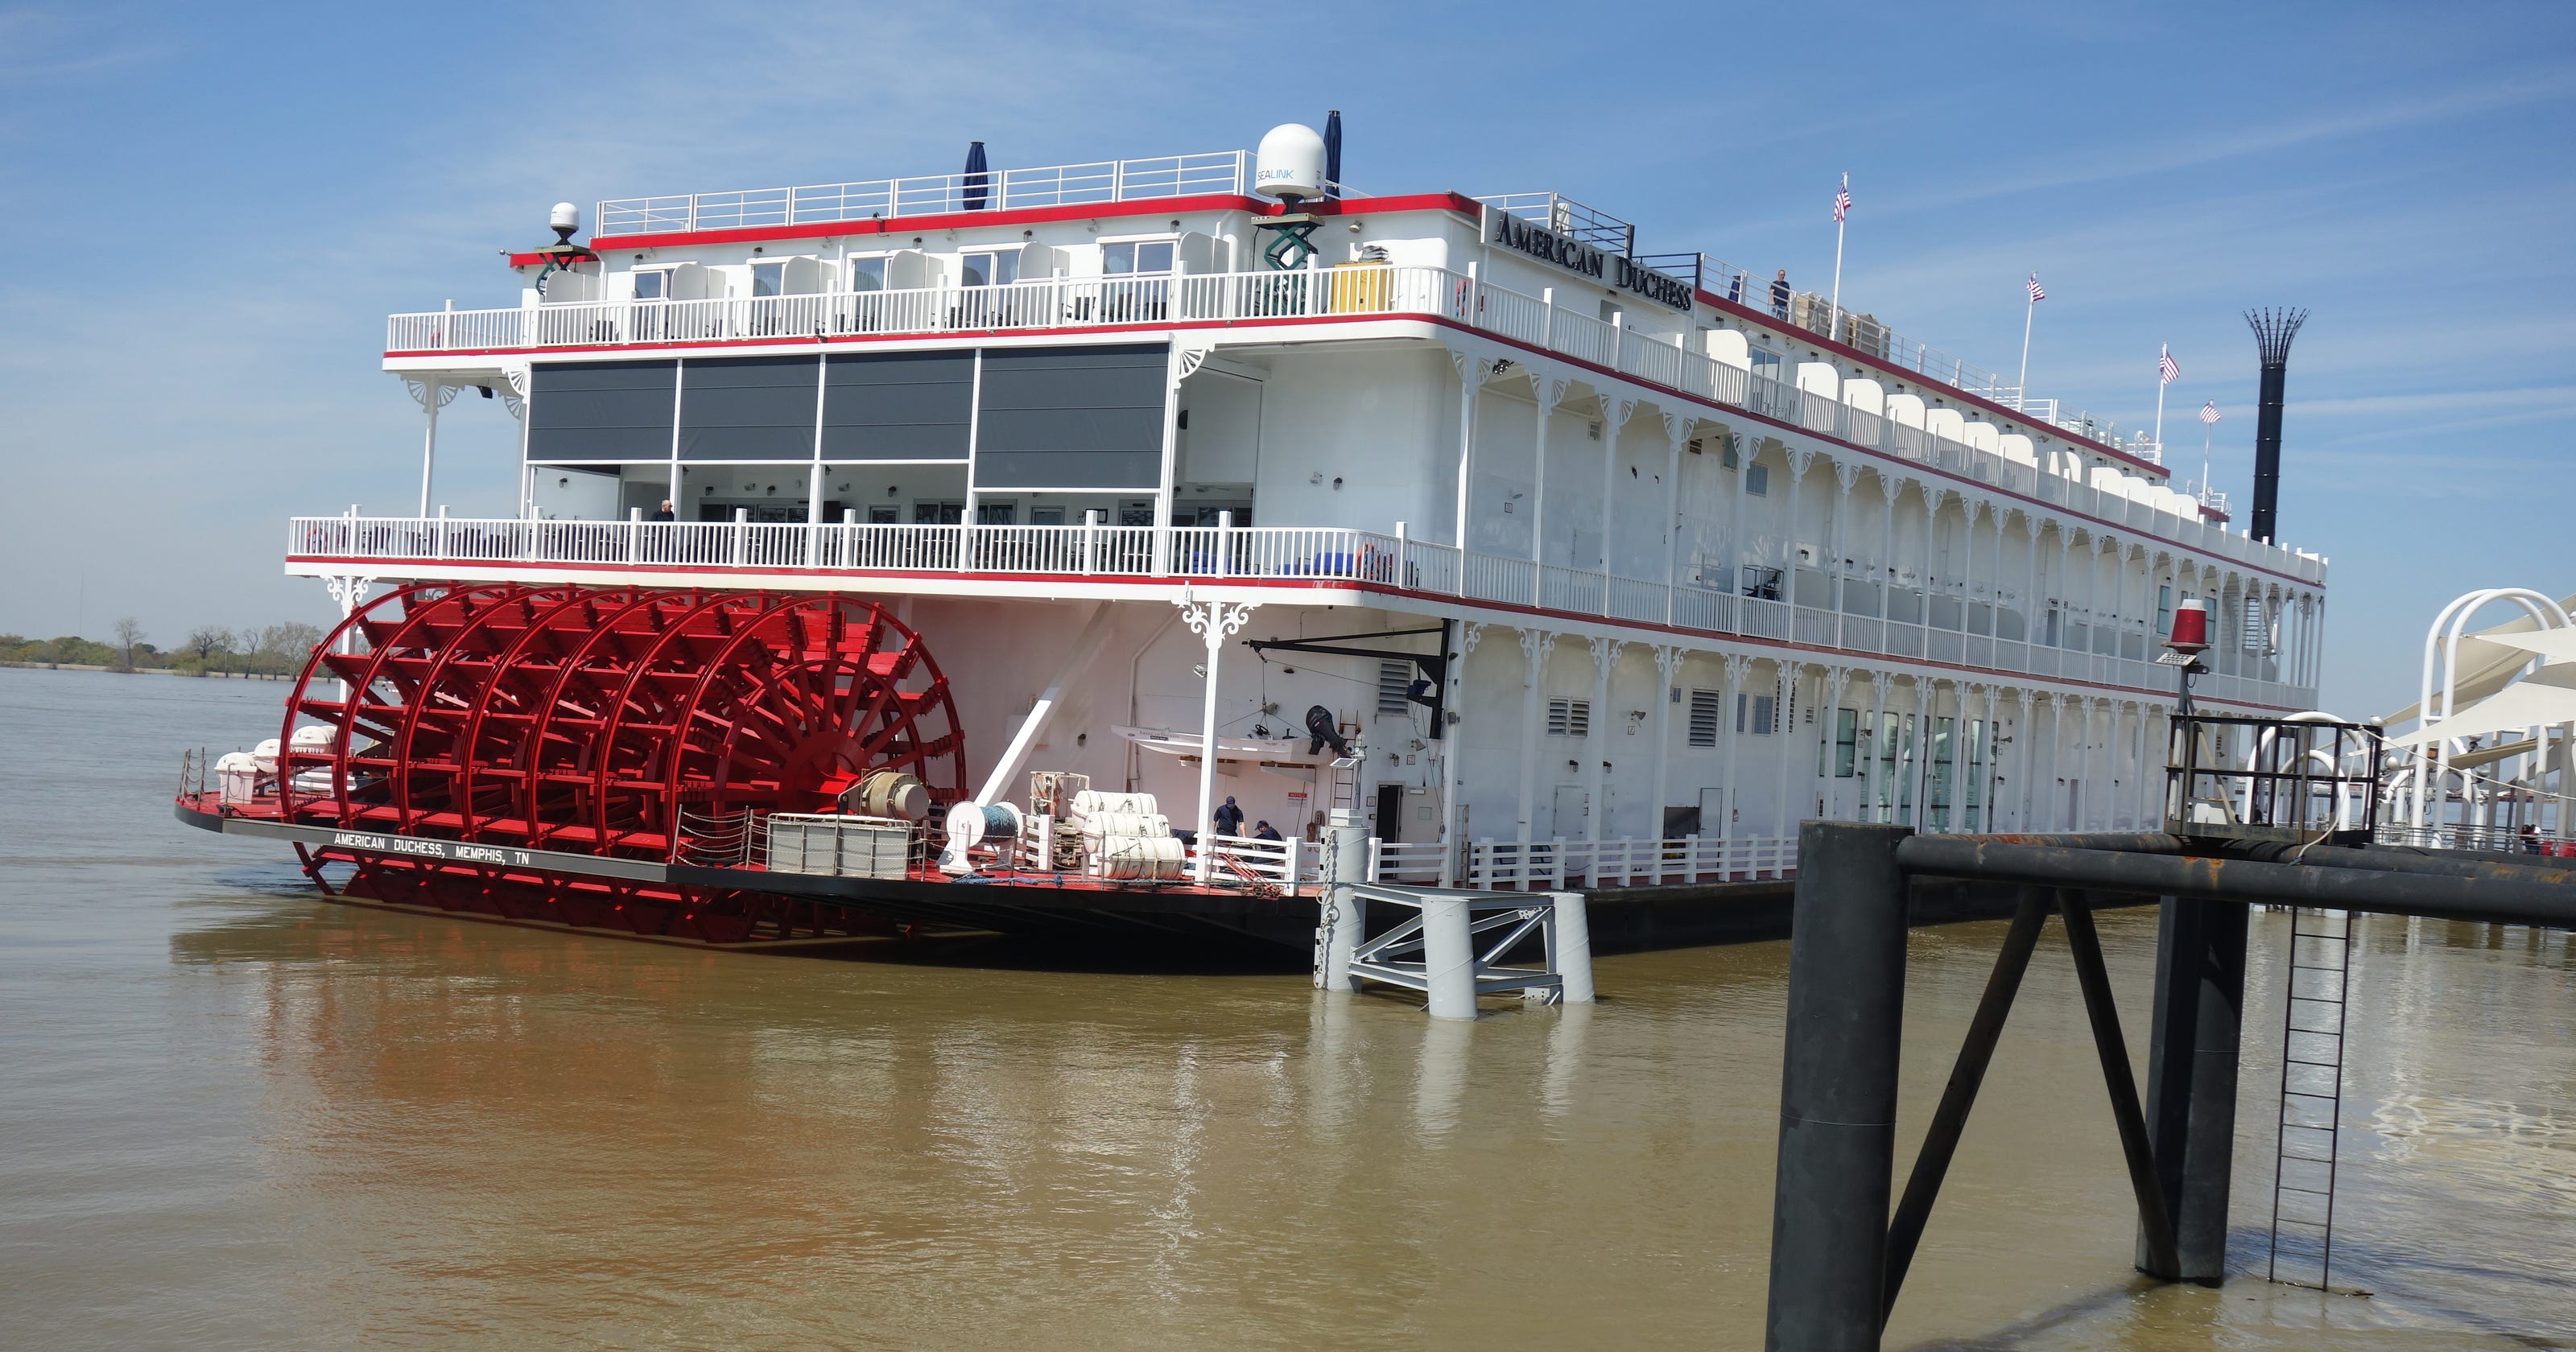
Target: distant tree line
[(273, 650)]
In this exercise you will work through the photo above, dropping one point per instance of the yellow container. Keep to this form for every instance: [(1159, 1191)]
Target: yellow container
[(1361, 288)]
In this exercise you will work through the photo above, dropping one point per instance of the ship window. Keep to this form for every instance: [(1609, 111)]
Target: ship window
[(768, 279), (1757, 480), (1846, 743), (1753, 713), (883, 514), (1046, 516), (1569, 718), (868, 274), (997, 513), (1145, 256), (989, 269), (652, 284), (1704, 713), (938, 513)]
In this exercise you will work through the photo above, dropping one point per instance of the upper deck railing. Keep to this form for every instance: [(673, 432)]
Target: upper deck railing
[(1389, 291), (1224, 171), (2094, 653)]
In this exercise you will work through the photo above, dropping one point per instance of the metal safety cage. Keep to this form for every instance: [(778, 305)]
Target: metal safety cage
[(2304, 779)]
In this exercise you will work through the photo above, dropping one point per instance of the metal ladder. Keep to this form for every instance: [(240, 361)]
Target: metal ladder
[(2312, 1033)]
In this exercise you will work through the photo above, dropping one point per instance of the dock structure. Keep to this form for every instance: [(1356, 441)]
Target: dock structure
[(1839, 1258)]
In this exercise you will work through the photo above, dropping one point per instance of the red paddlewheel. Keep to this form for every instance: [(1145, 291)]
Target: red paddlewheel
[(585, 719)]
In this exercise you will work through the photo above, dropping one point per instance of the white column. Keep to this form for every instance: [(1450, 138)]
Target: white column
[(1668, 663), (1471, 373), (1736, 669), (432, 396), (1547, 389), (2051, 816), (2024, 727), (2030, 600), (1829, 701), (2083, 763), (1620, 412), (1846, 474), (1873, 745), (1605, 655), (1677, 433), (1783, 813), (1534, 646), (1799, 460), (1735, 514), (1916, 780), (1991, 759), (1214, 622), (1453, 844)]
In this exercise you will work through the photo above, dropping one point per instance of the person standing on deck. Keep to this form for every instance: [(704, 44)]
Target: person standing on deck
[(1228, 819), (1780, 294)]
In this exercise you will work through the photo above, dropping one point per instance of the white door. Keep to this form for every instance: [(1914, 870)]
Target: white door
[(1573, 801), (1712, 813)]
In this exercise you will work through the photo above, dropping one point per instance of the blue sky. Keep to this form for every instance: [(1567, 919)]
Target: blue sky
[(212, 208)]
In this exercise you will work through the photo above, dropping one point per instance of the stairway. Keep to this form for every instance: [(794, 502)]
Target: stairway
[(2312, 1035)]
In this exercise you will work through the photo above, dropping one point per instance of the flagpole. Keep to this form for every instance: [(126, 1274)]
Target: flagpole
[(1833, 321), (2161, 382), (2021, 383), (2205, 429)]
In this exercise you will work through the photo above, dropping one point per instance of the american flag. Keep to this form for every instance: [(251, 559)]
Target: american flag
[(1842, 199), (2166, 366), (2036, 295), (2209, 411)]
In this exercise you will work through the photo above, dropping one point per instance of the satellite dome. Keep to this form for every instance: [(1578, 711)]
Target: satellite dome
[(1290, 163)]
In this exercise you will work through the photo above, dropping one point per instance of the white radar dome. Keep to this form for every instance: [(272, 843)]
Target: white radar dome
[(565, 217), (1290, 163)]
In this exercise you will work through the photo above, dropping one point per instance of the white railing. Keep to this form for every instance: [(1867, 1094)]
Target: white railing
[(1545, 864), (1427, 292), (1290, 865), (1224, 171), (1394, 562)]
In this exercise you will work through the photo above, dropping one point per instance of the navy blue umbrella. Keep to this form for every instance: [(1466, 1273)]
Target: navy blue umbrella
[(1333, 153), (976, 177)]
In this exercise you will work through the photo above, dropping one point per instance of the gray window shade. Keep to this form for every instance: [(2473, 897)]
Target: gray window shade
[(898, 405), (748, 408), (1072, 417), (600, 411)]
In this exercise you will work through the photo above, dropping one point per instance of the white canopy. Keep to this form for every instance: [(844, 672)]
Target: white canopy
[(2544, 698), (2556, 645)]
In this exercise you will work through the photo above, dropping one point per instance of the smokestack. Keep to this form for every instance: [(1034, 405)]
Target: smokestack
[(2273, 330)]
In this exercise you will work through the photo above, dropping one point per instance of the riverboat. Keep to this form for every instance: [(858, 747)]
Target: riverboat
[(1060, 547)]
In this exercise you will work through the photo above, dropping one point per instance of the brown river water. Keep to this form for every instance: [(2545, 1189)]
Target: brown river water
[(235, 1116)]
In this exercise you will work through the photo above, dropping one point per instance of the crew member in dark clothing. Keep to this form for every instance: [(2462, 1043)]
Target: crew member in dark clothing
[(1264, 831), (1228, 819), (1780, 294), (665, 514)]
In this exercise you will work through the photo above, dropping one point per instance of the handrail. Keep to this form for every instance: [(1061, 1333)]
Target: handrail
[(1224, 171), (1128, 302), (1270, 554)]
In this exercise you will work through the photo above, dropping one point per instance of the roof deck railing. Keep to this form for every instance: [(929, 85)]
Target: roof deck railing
[(1224, 171)]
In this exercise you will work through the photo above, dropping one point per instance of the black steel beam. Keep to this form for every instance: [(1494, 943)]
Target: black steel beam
[(2192, 1058), (2447, 864), (2155, 1224), (1976, 1051), (1846, 1014), (2507, 901)]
